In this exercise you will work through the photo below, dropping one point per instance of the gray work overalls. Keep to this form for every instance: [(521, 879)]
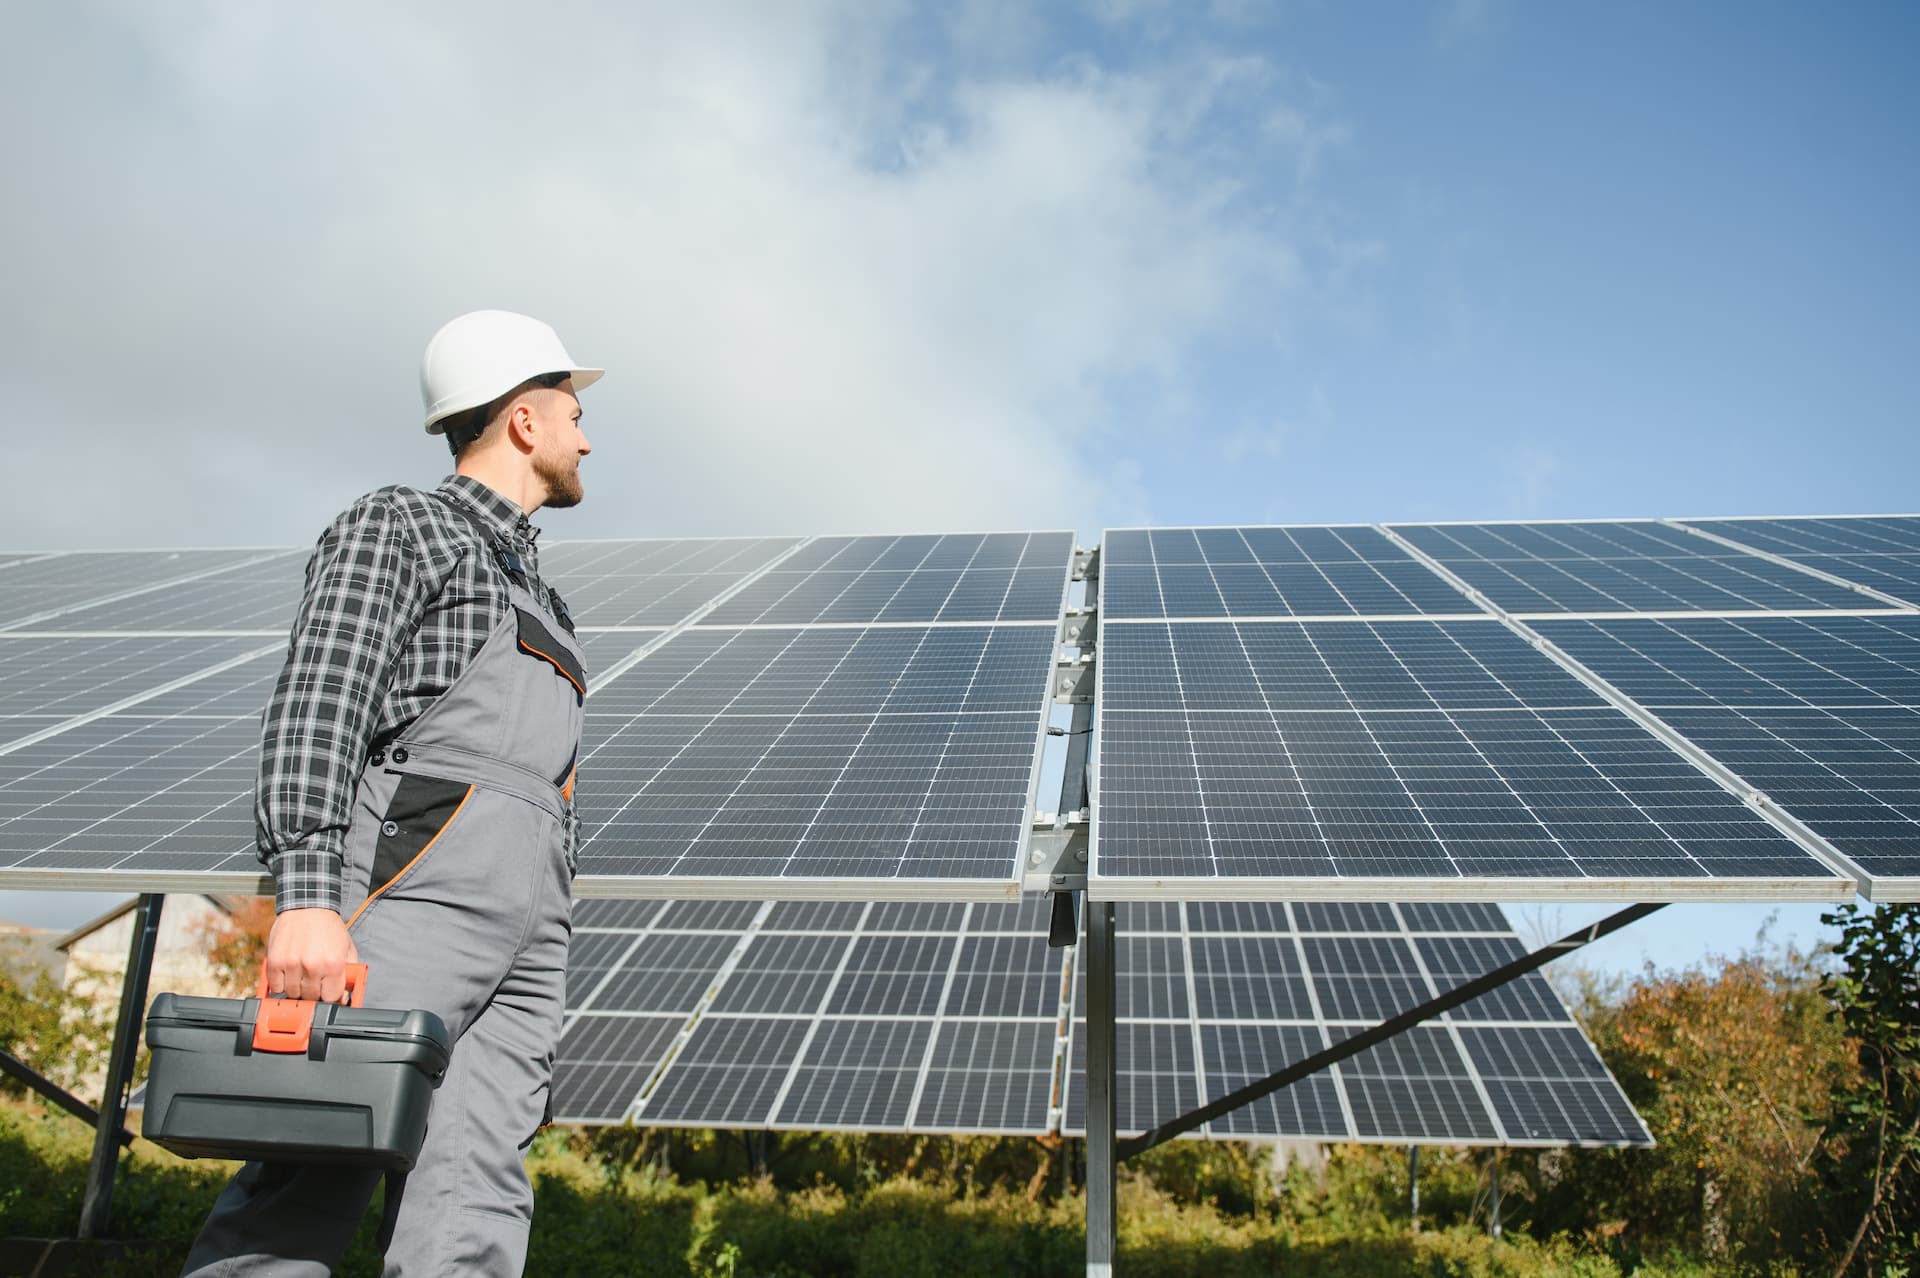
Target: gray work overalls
[(458, 873)]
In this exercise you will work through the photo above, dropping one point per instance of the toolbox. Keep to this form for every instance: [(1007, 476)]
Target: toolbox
[(284, 1080)]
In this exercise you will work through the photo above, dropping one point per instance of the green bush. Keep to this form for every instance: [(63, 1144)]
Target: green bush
[(604, 1209)]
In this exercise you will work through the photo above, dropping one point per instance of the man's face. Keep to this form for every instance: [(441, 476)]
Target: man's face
[(561, 444)]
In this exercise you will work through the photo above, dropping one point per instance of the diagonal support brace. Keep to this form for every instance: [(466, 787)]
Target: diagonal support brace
[(1384, 1030), (18, 1070)]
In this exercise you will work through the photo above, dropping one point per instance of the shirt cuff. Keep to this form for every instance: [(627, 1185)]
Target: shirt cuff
[(306, 879)]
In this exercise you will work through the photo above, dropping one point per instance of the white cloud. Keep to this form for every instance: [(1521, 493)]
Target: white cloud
[(1532, 473), (832, 294)]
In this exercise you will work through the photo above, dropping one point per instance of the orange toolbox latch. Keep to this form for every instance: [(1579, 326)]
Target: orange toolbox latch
[(286, 1024)]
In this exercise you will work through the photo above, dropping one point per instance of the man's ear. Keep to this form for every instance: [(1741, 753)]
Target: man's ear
[(520, 425)]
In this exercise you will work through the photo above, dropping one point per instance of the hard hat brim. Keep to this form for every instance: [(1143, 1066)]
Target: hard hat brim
[(436, 420)]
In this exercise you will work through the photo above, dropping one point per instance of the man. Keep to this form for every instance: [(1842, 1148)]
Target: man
[(415, 806)]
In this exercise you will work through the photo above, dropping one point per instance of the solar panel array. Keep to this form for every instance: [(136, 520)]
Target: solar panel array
[(1462, 732), (1317, 715), (951, 1017), (867, 721)]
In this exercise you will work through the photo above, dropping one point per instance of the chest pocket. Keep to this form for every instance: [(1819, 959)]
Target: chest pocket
[(539, 642)]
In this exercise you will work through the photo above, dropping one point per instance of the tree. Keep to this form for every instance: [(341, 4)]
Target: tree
[(1732, 1068), (1876, 996), (54, 1030)]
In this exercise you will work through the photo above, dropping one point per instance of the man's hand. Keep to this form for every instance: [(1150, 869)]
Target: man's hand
[(307, 955)]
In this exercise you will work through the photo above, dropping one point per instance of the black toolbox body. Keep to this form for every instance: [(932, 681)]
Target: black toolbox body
[(358, 1095)]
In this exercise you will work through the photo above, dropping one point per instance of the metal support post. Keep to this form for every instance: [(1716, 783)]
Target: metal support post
[(98, 1202), (1493, 1210), (1102, 1109), (1413, 1186)]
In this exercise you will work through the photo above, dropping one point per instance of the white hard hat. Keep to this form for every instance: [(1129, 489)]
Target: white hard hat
[(476, 358)]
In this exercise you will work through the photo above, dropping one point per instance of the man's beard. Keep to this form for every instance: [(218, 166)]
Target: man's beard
[(562, 481)]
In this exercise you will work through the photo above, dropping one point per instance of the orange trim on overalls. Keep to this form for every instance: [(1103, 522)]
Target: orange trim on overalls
[(564, 673), (566, 791), (375, 894)]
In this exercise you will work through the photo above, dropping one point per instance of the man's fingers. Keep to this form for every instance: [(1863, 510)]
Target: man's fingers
[(307, 954)]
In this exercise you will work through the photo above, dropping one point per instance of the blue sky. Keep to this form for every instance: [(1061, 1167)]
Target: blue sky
[(866, 267)]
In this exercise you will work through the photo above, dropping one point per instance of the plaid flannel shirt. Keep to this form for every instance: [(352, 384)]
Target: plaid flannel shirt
[(400, 595)]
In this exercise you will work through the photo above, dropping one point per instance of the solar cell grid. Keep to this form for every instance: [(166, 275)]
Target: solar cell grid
[(834, 755), (894, 976), (1238, 1055), (258, 596), (158, 796), (1265, 572), (41, 589), (1820, 713), (1622, 566), (990, 1077), (727, 1074), (1397, 752), (1857, 534), (604, 648), (857, 1075), (603, 1061), (1416, 1088), (1548, 1083), (782, 974), (56, 677), (1452, 961), (667, 973), (1264, 1001), (653, 583), (952, 578), (980, 1007), (1005, 978)]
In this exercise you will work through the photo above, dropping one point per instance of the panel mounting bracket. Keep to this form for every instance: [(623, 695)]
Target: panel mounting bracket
[(1057, 853), (1073, 681), (1079, 628)]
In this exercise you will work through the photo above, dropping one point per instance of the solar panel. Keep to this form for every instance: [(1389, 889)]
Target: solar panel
[(1617, 566), (1881, 552), (167, 802), (947, 1017), (258, 596), (57, 677), (830, 760), (653, 583), (1386, 759), (1820, 713), (1266, 572), (39, 590), (957, 577), (920, 977), (1487, 1072)]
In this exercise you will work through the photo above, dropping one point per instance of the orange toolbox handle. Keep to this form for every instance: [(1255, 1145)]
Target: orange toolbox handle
[(286, 1024)]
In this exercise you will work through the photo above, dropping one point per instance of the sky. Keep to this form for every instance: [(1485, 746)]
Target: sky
[(878, 267)]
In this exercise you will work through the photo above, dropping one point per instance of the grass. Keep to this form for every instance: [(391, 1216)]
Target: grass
[(602, 1215)]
